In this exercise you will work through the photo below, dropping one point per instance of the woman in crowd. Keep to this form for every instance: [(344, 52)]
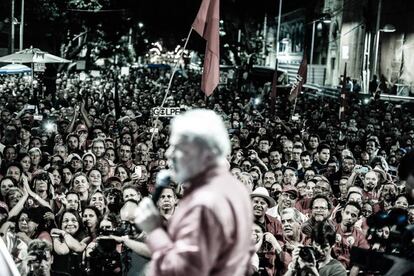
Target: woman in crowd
[(91, 218), (67, 176), (98, 200), (69, 242), (122, 172), (89, 161), (81, 186), (95, 180), (31, 224), (25, 162), (43, 187), (6, 183), (110, 154)]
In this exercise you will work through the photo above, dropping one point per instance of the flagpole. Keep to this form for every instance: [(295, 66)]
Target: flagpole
[(171, 79), (294, 108), (275, 75)]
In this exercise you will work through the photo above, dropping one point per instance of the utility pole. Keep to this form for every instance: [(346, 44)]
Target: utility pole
[(275, 76), (12, 28), (21, 26), (278, 30), (377, 34)]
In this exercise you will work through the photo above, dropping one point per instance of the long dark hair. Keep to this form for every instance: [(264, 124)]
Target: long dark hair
[(99, 219), (43, 176), (80, 234), (14, 185), (36, 215)]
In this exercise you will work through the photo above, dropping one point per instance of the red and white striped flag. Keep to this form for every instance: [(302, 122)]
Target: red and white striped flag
[(206, 24), (300, 79)]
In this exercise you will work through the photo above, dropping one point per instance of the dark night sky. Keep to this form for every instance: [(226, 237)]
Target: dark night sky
[(174, 18), (167, 19)]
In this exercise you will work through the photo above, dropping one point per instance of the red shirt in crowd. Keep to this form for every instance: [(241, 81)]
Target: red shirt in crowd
[(345, 241)]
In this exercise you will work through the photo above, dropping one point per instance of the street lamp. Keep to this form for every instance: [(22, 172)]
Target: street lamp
[(325, 18), (15, 22), (388, 28)]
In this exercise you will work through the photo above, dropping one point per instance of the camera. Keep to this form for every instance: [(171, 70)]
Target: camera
[(104, 259), (109, 245), (124, 228), (40, 256), (308, 254), (399, 244), (34, 264)]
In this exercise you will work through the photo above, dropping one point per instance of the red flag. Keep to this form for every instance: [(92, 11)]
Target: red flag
[(300, 79), (206, 24), (343, 103)]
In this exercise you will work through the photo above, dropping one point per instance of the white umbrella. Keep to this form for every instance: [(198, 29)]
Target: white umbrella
[(14, 69), (33, 55)]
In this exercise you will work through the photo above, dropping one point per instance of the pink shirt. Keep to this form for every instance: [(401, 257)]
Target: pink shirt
[(210, 232)]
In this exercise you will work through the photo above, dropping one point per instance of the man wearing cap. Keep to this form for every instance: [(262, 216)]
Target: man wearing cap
[(286, 200), (261, 203), (75, 162)]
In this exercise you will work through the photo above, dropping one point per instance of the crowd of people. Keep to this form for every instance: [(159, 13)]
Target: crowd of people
[(75, 165)]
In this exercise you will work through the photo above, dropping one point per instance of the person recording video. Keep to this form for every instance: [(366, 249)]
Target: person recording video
[(39, 260), (317, 259)]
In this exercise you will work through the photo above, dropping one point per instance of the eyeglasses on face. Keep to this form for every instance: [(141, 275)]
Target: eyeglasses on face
[(290, 196), (319, 208)]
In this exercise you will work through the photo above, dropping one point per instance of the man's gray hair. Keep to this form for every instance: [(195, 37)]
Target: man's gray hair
[(56, 147), (204, 127), (296, 215)]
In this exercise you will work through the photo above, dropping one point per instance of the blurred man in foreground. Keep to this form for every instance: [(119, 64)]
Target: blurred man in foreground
[(209, 234)]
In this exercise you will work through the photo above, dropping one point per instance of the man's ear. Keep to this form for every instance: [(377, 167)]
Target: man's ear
[(207, 156)]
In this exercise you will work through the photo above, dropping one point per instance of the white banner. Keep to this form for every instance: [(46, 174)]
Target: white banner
[(165, 111)]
